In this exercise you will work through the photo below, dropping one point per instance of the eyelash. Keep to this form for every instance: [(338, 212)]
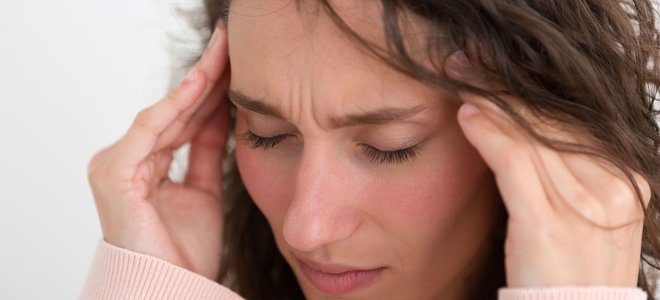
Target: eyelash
[(255, 142), (377, 156), (390, 157)]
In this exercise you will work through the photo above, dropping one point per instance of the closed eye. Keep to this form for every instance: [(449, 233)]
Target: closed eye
[(390, 157), (375, 155), (259, 142)]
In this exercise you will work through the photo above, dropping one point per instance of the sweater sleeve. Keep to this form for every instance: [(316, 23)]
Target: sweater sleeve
[(118, 273), (572, 293)]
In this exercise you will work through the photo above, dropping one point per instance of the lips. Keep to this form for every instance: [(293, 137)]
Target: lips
[(339, 279)]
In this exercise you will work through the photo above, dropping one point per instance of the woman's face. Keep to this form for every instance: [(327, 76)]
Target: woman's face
[(355, 166)]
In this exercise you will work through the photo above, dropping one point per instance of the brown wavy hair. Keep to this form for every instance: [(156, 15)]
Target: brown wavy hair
[(588, 64)]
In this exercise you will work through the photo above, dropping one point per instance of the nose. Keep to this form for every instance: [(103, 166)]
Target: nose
[(322, 210)]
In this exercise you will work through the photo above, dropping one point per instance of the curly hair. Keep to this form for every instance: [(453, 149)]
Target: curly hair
[(589, 64)]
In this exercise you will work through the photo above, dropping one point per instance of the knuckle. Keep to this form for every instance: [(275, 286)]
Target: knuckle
[(143, 121), (101, 166), (513, 157), (644, 188), (96, 178), (93, 167), (621, 197), (580, 194), (583, 203), (143, 117)]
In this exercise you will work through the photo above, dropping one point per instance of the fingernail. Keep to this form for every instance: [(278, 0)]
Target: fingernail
[(469, 110), (214, 38), (460, 60), (191, 76)]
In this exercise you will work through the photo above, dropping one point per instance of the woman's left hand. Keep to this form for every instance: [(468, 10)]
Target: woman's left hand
[(573, 219)]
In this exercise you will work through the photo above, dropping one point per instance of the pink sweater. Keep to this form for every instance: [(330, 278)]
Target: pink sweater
[(118, 273)]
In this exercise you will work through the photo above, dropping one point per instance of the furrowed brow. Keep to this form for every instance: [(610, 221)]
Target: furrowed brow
[(380, 116), (252, 104)]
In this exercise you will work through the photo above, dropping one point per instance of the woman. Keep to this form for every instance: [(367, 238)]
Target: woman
[(394, 150)]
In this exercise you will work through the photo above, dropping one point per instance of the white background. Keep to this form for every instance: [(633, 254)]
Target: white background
[(73, 74)]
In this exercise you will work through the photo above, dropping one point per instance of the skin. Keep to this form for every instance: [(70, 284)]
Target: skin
[(424, 219), (573, 220)]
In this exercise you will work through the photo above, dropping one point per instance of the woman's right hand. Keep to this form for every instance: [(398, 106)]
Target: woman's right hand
[(139, 207)]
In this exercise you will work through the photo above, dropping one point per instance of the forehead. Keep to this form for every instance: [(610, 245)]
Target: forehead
[(289, 30), (282, 47)]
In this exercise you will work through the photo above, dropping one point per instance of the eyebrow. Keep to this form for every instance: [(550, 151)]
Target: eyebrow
[(379, 116)]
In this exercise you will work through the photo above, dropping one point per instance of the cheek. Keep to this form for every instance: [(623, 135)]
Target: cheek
[(268, 181), (425, 203)]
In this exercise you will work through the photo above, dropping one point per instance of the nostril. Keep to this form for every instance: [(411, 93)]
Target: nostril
[(307, 230), (303, 233)]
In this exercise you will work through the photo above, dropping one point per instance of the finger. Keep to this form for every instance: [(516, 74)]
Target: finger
[(459, 67), (585, 186), (567, 193), (605, 174), (557, 184), (509, 159), (207, 153), (611, 188), (142, 136), (644, 188), (213, 63), (203, 113), (215, 56), (595, 176), (145, 134), (178, 133), (160, 165), (584, 189)]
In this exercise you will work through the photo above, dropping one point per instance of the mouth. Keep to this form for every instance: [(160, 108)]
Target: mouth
[(339, 279)]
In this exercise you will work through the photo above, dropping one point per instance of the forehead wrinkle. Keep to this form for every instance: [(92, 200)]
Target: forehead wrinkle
[(253, 104), (258, 10), (379, 116), (305, 56)]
